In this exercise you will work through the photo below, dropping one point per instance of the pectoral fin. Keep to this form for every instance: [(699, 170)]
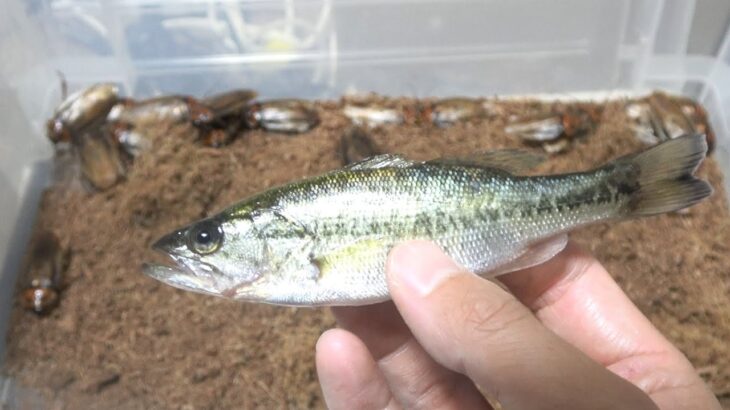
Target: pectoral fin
[(536, 254), (356, 256)]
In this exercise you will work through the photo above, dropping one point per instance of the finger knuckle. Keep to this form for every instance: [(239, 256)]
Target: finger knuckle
[(491, 318), (437, 393)]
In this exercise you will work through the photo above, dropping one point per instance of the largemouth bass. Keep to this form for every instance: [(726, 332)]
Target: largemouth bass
[(325, 240)]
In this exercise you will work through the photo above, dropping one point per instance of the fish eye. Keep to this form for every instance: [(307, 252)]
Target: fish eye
[(205, 237)]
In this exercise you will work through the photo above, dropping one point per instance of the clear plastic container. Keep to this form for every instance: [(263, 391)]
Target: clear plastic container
[(323, 49)]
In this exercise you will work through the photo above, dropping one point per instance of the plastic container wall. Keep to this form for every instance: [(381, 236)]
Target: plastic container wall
[(23, 151), (705, 78), (322, 48)]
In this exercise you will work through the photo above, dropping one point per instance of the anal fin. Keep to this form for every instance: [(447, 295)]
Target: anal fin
[(535, 254)]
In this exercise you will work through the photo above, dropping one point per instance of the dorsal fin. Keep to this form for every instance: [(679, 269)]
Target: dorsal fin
[(511, 160), (381, 161)]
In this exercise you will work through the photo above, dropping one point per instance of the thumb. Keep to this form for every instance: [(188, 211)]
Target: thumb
[(474, 327)]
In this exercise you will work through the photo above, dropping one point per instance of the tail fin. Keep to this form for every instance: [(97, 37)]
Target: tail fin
[(665, 176)]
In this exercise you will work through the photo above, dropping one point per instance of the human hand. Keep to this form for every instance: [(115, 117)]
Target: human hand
[(565, 337)]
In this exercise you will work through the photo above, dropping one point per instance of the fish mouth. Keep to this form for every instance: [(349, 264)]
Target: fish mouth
[(186, 274), (179, 278), (178, 270), (184, 271), (184, 278)]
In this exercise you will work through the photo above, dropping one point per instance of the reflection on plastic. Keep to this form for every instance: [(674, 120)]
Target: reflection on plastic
[(13, 396)]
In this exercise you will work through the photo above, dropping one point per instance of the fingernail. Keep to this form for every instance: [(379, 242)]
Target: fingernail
[(420, 266)]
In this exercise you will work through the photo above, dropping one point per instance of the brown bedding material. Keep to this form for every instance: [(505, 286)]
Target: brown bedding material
[(122, 340)]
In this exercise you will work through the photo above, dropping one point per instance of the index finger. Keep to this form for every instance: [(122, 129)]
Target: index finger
[(575, 297)]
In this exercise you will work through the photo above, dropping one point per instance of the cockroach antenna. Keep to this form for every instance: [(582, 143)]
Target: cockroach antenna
[(64, 85)]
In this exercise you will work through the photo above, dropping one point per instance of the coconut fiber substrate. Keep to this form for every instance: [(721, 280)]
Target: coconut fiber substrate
[(119, 339)]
